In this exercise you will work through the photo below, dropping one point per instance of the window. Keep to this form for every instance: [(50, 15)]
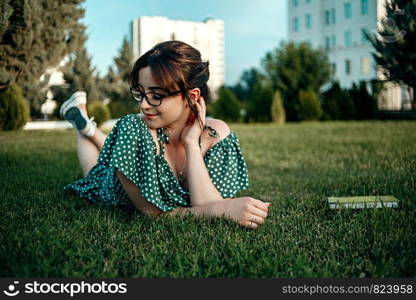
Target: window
[(295, 24), (348, 66), (364, 7), (295, 3), (327, 17), (333, 16), (348, 38), (330, 42), (308, 21), (327, 43), (364, 39), (333, 42), (365, 65), (333, 68), (347, 10), (308, 1)]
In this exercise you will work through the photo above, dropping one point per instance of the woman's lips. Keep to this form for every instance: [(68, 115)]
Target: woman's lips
[(150, 116)]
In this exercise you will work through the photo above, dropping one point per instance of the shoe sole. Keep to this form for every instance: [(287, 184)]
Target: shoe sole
[(74, 116), (67, 103)]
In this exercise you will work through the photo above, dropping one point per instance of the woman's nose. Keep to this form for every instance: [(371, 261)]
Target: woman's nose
[(145, 105)]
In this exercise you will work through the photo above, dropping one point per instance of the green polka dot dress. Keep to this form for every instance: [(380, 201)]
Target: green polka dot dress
[(131, 149)]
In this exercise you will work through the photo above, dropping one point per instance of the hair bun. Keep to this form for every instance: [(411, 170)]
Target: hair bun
[(205, 70)]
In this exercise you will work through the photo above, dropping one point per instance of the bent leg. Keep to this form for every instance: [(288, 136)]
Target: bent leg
[(88, 149), (87, 153), (98, 139)]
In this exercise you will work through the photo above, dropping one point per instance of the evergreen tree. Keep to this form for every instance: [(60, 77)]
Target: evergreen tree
[(35, 35), (395, 47), (277, 109), (293, 67), (124, 61), (115, 83), (81, 76)]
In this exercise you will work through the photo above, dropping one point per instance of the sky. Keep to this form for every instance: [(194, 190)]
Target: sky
[(251, 27)]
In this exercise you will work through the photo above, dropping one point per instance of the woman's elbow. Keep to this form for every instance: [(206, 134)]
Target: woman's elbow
[(136, 197)]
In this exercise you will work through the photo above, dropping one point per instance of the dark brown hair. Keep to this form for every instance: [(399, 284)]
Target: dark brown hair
[(175, 65)]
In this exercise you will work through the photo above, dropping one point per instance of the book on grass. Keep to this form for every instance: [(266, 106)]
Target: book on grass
[(363, 202)]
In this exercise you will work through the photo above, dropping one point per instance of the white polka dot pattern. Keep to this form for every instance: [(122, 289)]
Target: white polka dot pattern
[(130, 148)]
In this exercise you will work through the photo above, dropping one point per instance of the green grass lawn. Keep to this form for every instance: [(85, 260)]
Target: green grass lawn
[(46, 233)]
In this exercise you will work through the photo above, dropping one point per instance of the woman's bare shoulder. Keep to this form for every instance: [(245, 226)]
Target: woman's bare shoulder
[(221, 127)]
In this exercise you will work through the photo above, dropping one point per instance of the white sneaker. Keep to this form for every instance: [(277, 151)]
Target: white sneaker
[(71, 112)]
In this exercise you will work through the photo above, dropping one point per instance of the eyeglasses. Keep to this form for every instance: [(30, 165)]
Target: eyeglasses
[(155, 98)]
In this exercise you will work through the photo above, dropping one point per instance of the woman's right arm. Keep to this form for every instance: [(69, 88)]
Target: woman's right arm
[(246, 211)]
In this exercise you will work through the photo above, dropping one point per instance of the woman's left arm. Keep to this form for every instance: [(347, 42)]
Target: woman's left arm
[(202, 190)]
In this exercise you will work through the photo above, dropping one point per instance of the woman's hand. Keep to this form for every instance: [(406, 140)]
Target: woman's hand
[(191, 133), (246, 211)]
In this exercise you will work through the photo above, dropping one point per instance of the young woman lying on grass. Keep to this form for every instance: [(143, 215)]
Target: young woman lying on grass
[(168, 160)]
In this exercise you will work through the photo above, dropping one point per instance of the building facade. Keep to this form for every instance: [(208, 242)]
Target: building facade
[(207, 37), (338, 27)]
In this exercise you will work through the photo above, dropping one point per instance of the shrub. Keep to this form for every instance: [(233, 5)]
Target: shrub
[(121, 108), (14, 110), (309, 107), (99, 111), (337, 103), (364, 102), (277, 109)]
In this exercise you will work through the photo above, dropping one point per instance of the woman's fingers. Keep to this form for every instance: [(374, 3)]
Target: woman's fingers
[(251, 224), (201, 103), (201, 110), (261, 205), (258, 212)]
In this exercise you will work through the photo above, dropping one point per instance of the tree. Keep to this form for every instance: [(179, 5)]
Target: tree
[(80, 75), (35, 35), (124, 61), (293, 67), (394, 45), (227, 106), (260, 103), (115, 84), (244, 88)]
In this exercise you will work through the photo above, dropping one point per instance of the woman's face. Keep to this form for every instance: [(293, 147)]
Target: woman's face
[(172, 109)]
